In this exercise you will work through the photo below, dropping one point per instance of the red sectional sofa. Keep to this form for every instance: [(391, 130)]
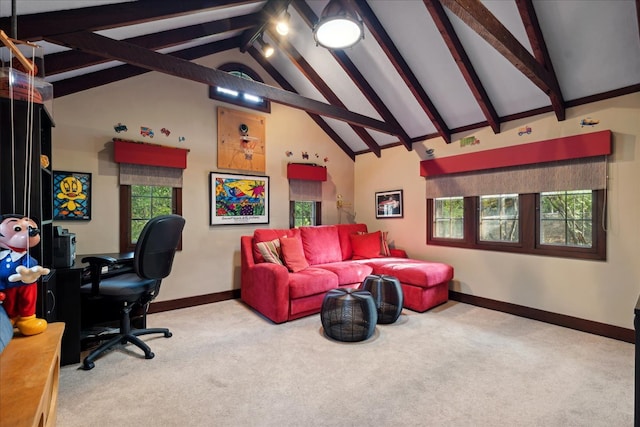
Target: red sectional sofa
[(330, 256)]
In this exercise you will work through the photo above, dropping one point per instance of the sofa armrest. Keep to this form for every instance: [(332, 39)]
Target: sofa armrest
[(265, 287), (398, 253)]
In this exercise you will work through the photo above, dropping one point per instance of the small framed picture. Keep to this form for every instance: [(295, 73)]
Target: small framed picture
[(71, 196), (237, 199), (389, 204)]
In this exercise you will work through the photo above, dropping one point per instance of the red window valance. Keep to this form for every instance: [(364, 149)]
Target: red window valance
[(142, 153), (565, 148), (306, 172)]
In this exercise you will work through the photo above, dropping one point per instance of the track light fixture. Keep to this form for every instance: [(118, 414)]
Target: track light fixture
[(339, 26), (267, 49), (282, 26)]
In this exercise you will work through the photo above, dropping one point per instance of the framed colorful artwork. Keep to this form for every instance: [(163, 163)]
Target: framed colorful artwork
[(389, 204), (71, 196), (238, 199), (241, 140)]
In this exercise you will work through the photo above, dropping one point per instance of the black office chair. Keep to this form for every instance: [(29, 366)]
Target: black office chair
[(152, 262)]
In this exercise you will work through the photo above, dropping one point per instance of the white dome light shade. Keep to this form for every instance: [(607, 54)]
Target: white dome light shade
[(338, 33), (339, 26)]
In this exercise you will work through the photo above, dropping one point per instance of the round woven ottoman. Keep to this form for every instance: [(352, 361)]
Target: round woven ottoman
[(387, 294), (348, 314)]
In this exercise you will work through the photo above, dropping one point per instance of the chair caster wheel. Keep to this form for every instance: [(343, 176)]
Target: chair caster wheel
[(168, 335), (88, 365), (149, 356)]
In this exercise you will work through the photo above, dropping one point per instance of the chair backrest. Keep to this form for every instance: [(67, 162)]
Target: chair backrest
[(157, 246)]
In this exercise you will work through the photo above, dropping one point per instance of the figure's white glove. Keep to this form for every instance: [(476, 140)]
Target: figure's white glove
[(28, 275)]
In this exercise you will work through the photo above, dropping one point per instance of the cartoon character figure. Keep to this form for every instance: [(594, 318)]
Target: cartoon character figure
[(19, 272), (71, 190)]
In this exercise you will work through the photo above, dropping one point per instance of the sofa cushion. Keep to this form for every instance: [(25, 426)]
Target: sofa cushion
[(418, 273), (311, 281), (384, 244), (344, 231), (321, 244), (348, 272), (270, 251), (267, 235), (293, 254), (366, 245)]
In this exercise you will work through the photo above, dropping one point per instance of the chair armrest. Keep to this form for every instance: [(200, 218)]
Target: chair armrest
[(102, 260), (95, 267)]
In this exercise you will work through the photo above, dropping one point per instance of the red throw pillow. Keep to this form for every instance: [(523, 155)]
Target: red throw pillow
[(366, 245), (293, 254)]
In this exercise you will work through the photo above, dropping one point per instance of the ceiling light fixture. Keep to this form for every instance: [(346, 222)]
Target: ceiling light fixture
[(282, 27), (267, 49), (339, 26)]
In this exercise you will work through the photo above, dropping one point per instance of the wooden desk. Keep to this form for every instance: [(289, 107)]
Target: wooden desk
[(29, 375)]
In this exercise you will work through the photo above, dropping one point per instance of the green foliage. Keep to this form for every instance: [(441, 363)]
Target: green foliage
[(148, 201), (449, 218), (566, 218), (304, 213)]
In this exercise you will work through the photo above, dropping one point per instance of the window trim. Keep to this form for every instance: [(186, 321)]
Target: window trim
[(125, 216), (529, 242)]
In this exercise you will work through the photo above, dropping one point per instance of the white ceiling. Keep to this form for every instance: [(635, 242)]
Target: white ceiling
[(594, 46)]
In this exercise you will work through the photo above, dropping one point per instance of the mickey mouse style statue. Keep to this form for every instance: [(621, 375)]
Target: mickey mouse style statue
[(19, 272)]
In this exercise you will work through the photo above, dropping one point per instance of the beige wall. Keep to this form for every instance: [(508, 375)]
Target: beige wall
[(209, 261), (599, 291)]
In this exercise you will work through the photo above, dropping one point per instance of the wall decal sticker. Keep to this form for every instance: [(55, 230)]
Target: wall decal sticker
[(524, 130)]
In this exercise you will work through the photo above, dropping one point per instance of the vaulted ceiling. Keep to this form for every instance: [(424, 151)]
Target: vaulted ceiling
[(425, 69)]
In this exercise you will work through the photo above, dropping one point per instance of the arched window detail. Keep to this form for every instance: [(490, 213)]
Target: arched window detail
[(233, 96)]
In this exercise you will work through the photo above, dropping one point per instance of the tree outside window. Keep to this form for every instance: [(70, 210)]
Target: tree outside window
[(140, 203)]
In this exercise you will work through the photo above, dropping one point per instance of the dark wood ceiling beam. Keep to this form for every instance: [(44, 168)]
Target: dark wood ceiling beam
[(464, 63), (141, 57), (271, 10), (403, 69), (314, 78), (540, 52), (120, 72), (36, 26), (358, 79), (481, 20), (284, 83), (61, 62)]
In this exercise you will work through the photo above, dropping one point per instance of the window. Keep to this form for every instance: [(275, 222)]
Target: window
[(566, 218), (303, 213), (449, 217), (561, 223), (140, 203), (233, 96), (499, 218)]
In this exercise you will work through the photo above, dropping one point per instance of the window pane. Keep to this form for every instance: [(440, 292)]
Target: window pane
[(147, 202), (499, 218), (304, 213), (448, 221), (566, 218)]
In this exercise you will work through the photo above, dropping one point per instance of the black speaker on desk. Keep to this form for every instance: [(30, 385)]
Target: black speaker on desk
[(64, 248)]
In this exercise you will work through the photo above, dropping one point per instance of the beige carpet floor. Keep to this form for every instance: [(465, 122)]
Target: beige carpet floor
[(456, 365)]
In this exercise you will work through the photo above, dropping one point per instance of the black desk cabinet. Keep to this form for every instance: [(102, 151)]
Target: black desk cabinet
[(68, 310)]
